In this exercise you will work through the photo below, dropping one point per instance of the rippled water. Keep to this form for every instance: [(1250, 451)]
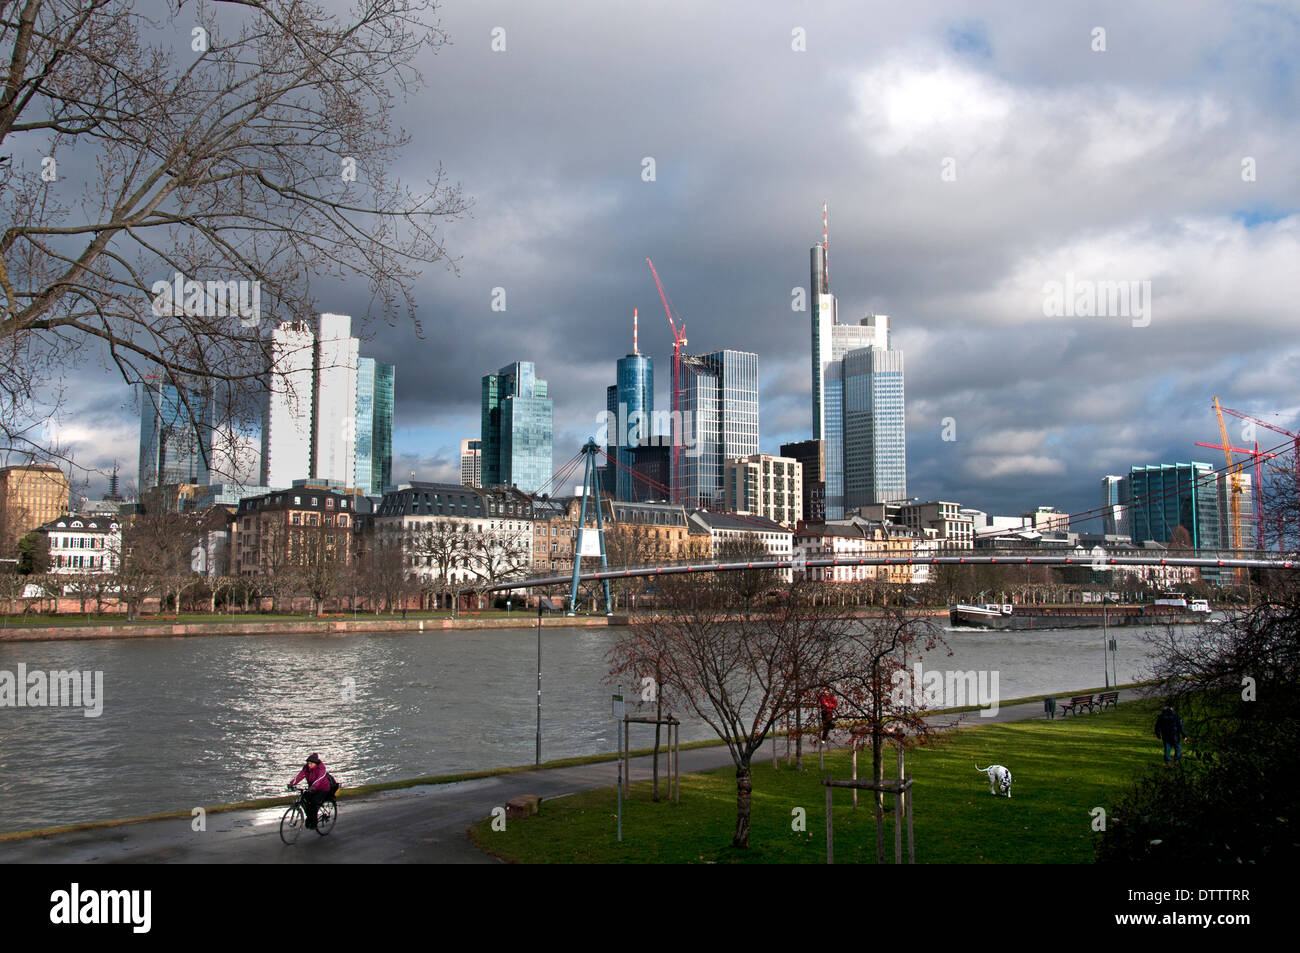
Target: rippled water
[(191, 721)]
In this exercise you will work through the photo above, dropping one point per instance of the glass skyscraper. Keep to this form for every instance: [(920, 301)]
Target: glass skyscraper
[(634, 398), (517, 421), (1161, 497), (875, 439), (862, 420), (374, 429), (719, 421), (175, 435)]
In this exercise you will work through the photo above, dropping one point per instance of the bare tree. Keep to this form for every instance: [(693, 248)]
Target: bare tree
[(442, 547), (729, 666), (869, 668), (217, 585), (383, 574), (494, 556), (235, 150), (277, 571), (747, 548), (319, 554)]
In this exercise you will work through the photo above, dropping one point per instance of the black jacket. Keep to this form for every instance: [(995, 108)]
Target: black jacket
[(1169, 728)]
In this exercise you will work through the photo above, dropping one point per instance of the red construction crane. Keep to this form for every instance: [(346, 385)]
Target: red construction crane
[(679, 342), (1276, 429), (1259, 482)]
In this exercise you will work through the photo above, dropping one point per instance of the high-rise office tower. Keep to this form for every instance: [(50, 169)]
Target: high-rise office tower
[(289, 397), (875, 438), (334, 431), (175, 434), (374, 426), (1115, 520), (719, 421), (876, 446), (471, 462), (517, 419), (631, 404), (1164, 496)]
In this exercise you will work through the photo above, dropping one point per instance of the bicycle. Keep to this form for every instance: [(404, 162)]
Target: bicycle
[(294, 821)]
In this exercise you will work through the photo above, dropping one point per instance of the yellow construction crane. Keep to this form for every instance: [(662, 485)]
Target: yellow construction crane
[(1234, 473)]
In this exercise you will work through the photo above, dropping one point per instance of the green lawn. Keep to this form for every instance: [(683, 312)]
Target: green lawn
[(1062, 770)]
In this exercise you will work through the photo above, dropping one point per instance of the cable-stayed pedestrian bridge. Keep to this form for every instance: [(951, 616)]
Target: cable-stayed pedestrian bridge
[(1282, 562)]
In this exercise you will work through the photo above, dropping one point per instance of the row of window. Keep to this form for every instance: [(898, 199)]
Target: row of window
[(82, 562), (76, 542)]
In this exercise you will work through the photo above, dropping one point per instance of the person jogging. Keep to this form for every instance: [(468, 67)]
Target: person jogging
[(827, 702)]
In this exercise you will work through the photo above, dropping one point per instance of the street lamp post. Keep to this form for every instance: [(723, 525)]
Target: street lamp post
[(1105, 639), (539, 680)]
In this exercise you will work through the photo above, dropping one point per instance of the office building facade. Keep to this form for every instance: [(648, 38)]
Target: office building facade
[(875, 438), (630, 405), (30, 496), (334, 430), (719, 421), (471, 463), (374, 427), (327, 412), (811, 456), (175, 434), (1115, 521), (517, 420), (768, 486), (1161, 497), (288, 401)]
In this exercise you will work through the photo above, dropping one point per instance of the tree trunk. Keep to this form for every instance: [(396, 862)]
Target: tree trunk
[(798, 735), (659, 714), (744, 792)]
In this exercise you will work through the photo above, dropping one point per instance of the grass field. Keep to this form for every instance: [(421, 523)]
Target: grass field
[(1063, 769)]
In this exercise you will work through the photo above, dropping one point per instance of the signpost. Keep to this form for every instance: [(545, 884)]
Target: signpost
[(618, 721)]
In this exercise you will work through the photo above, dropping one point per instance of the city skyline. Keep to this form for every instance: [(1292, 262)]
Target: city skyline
[(1139, 176)]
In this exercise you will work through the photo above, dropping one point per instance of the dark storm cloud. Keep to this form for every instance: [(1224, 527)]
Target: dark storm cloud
[(1116, 165)]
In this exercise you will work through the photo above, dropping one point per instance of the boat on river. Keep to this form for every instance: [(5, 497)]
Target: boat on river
[(1085, 616)]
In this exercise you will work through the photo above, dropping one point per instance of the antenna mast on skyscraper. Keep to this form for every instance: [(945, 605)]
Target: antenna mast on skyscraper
[(634, 347), (679, 342), (826, 252)]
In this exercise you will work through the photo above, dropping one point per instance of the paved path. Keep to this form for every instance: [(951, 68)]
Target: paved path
[(425, 824)]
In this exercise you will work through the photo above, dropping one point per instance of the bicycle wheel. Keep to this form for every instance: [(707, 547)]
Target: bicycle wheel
[(293, 823), (326, 816)]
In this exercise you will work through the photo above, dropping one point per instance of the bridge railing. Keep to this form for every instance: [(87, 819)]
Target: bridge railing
[(951, 558)]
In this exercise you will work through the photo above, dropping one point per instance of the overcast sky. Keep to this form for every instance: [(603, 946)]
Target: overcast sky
[(970, 155)]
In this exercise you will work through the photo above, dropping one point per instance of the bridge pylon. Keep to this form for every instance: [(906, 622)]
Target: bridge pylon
[(593, 544)]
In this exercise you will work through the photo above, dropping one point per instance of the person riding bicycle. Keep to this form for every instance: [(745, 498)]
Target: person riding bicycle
[(319, 786)]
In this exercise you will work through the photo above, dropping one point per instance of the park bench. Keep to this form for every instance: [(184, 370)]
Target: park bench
[(1075, 703), (1107, 700)]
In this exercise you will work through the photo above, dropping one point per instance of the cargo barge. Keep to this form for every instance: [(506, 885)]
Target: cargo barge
[(1006, 616)]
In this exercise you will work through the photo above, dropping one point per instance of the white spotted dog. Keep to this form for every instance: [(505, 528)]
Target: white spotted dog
[(999, 779)]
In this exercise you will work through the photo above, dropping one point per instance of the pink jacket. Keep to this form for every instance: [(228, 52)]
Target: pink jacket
[(315, 775)]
